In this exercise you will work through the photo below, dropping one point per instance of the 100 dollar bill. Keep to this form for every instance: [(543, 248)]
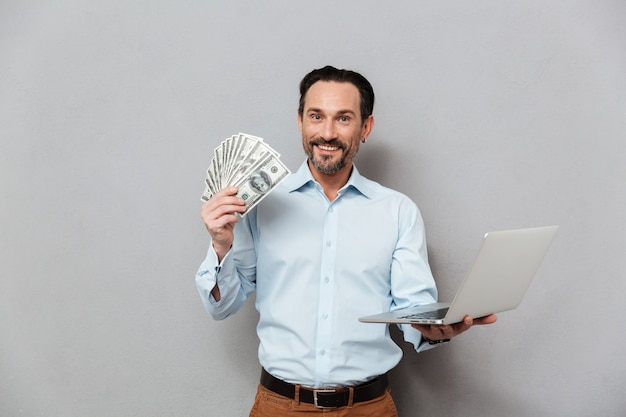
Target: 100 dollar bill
[(244, 161), (263, 178)]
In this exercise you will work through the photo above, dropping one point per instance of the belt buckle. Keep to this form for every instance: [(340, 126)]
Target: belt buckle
[(317, 391)]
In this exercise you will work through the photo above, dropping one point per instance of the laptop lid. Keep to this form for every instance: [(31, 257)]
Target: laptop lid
[(497, 281)]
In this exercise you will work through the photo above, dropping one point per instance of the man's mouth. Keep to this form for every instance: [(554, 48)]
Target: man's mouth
[(328, 147)]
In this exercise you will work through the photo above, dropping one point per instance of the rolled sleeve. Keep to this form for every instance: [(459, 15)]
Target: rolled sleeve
[(210, 273)]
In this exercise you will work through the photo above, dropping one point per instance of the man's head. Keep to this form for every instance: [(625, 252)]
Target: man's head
[(329, 73), (334, 116)]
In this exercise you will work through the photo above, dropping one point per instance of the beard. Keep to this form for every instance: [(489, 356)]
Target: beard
[(324, 163), (326, 166)]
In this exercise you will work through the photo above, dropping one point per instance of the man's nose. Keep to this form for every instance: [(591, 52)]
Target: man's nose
[(328, 131)]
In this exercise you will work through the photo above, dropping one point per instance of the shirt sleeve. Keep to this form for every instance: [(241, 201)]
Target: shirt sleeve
[(414, 337), (412, 282), (235, 276)]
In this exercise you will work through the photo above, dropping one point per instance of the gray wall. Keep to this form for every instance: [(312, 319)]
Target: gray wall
[(490, 115)]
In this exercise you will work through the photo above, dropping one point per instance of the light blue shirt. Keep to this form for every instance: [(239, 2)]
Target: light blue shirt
[(317, 266)]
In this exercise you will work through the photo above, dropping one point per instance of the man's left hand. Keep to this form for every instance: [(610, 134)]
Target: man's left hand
[(448, 331)]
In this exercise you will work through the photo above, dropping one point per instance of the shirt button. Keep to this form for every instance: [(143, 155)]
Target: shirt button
[(324, 316), (326, 280), (328, 243), (322, 352)]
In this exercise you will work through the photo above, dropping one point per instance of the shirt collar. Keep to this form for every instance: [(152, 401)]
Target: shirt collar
[(303, 177)]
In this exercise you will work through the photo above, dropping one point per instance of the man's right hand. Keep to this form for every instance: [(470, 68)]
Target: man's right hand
[(219, 218)]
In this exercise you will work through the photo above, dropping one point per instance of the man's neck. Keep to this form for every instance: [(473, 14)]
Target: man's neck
[(331, 183)]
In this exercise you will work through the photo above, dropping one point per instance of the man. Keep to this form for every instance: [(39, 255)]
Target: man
[(323, 248)]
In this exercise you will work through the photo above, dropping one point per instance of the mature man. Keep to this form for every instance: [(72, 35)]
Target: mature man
[(325, 247)]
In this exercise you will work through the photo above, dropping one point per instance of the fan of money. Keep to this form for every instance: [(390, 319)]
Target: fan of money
[(248, 163)]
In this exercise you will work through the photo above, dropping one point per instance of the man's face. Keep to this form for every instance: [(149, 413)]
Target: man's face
[(331, 125)]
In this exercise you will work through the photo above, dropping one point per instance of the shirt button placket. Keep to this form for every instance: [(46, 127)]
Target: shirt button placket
[(326, 290)]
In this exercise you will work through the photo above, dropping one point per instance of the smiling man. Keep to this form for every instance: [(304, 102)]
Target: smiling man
[(332, 127), (324, 248)]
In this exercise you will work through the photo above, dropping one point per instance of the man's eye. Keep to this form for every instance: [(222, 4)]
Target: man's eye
[(316, 117), (344, 119)]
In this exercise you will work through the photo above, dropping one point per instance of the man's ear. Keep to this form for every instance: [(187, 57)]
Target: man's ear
[(368, 125)]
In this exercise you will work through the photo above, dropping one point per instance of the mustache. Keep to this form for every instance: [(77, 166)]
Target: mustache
[(321, 141)]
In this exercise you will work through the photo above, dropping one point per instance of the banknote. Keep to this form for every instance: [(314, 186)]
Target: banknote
[(247, 162), (260, 180)]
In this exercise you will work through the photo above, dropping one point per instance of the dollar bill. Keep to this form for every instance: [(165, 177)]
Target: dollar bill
[(247, 162), (247, 150), (262, 179)]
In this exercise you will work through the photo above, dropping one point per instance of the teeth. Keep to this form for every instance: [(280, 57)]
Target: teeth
[(328, 148)]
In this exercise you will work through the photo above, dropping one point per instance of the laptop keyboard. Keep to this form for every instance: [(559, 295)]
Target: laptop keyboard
[(434, 314)]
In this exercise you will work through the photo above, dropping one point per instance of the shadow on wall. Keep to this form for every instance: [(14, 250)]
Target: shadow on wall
[(373, 161), (435, 383), (236, 333), (381, 161)]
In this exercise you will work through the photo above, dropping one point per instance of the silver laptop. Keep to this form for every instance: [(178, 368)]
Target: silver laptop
[(497, 281)]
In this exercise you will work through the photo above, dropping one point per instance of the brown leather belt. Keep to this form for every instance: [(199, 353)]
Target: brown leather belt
[(327, 397)]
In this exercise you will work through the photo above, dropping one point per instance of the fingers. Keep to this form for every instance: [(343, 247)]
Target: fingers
[(226, 201), (436, 332), (223, 203), (219, 215), (490, 319), (440, 332)]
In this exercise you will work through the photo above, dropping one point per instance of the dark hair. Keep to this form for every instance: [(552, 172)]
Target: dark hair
[(329, 73)]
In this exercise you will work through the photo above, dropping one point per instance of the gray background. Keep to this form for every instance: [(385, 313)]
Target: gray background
[(490, 115)]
